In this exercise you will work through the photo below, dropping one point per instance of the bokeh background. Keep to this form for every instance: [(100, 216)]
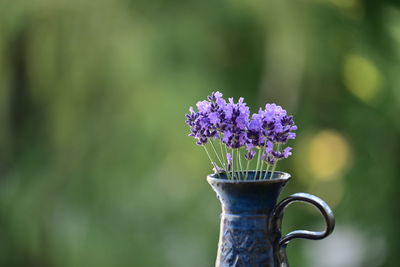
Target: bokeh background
[(96, 168)]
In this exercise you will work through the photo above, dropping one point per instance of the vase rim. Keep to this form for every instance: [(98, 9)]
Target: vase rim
[(283, 177)]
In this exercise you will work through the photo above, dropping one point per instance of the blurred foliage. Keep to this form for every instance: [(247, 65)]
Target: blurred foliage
[(95, 165)]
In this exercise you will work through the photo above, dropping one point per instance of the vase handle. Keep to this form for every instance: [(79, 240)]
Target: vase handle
[(277, 217)]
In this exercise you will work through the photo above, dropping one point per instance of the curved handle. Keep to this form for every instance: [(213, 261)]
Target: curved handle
[(303, 197), (277, 217)]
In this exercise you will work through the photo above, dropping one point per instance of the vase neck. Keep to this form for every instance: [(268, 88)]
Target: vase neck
[(247, 198)]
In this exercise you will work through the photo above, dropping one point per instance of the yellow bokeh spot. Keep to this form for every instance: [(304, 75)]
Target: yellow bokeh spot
[(328, 154), (361, 77), (330, 191)]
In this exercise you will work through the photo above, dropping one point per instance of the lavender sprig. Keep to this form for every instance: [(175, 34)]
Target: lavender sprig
[(266, 131)]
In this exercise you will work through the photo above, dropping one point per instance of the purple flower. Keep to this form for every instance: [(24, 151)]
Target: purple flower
[(220, 102), (214, 118), (272, 111), (203, 106), (271, 160), (268, 158), (269, 148), (250, 155), (227, 137), (287, 152), (214, 96), (200, 126), (209, 121), (271, 126), (269, 129), (217, 102), (255, 123), (274, 156), (250, 152), (235, 121), (284, 127)]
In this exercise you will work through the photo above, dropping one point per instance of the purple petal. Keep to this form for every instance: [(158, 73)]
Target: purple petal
[(287, 152), (269, 148), (214, 118), (203, 106)]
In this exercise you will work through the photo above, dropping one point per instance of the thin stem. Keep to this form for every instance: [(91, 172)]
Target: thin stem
[(233, 166), (261, 167), (215, 151), (219, 159), (222, 152), (266, 168), (240, 163), (237, 163), (262, 161), (247, 169), (274, 166), (258, 163), (237, 166), (266, 171), (212, 162), (226, 150), (273, 169), (226, 153)]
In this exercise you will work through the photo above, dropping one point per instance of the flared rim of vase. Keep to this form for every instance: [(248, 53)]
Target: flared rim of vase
[(280, 177)]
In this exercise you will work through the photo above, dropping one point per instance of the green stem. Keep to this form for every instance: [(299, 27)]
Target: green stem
[(273, 169), (266, 171), (261, 164), (215, 151), (247, 169), (258, 163), (226, 152), (222, 152), (262, 161), (261, 168), (274, 166), (219, 159), (233, 161), (240, 163), (208, 154), (237, 163)]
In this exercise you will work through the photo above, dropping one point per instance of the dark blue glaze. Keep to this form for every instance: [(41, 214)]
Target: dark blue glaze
[(250, 232)]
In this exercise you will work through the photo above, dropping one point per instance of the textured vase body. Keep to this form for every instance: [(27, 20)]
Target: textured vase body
[(250, 221)]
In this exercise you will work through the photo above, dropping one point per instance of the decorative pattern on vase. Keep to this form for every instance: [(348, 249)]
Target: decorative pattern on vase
[(243, 244), (245, 248)]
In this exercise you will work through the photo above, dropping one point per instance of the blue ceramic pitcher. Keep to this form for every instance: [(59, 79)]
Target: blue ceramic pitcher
[(250, 233)]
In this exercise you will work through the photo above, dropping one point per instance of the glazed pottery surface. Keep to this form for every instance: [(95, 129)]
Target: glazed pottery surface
[(250, 231)]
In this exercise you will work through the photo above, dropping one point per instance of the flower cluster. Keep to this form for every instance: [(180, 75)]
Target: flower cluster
[(266, 131)]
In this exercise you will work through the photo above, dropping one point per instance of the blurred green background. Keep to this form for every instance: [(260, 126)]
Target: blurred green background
[(96, 168)]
